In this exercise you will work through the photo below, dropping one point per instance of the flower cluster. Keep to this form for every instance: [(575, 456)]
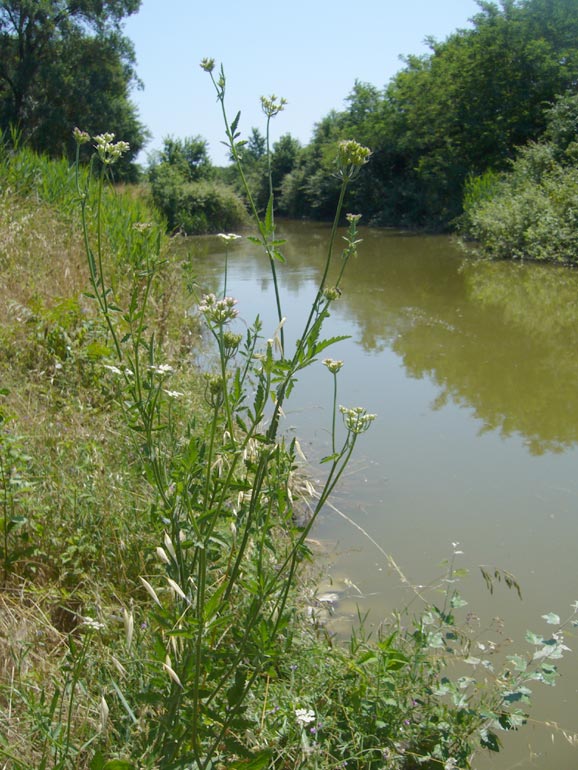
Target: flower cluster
[(272, 105), (80, 137), (351, 156), (231, 342), (218, 311), (208, 65), (357, 420), (92, 624), (108, 150), (332, 293), (304, 717), (351, 237), (351, 153), (214, 390), (228, 237), (332, 365), (162, 369)]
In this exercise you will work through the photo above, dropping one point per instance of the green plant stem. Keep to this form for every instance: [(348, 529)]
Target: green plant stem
[(265, 237), (334, 413), (296, 362), (223, 362)]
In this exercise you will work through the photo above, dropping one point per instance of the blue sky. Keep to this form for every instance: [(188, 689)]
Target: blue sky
[(308, 51)]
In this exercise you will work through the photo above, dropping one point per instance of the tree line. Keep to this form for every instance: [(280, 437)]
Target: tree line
[(459, 112), (66, 63)]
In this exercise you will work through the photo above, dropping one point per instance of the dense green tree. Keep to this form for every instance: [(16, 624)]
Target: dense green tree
[(188, 157), (285, 155), (256, 147), (459, 110), (65, 63), (478, 95), (311, 188)]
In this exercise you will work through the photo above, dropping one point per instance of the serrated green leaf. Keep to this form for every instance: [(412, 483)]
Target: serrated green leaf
[(319, 346), (235, 122)]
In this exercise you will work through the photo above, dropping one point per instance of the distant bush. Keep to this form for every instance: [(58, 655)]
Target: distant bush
[(194, 208), (184, 189), (535, 220), (532, 211)]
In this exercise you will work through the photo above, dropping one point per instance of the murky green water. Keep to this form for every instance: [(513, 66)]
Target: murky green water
[(472, 368)]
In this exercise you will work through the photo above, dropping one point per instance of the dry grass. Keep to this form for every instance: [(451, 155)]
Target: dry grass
[(41, 257), (87, 533)]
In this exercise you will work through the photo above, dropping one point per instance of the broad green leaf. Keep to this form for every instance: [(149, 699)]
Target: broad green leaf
[(97, 762), (520, 664), (395, 660), (97, 350), (237, 690), (552, 619), (366, 657), (457, 601), (489, 740), (435, 641)]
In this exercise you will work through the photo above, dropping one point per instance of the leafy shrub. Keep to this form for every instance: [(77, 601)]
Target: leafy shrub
[(528, 219), (531, 212), (194, 208), (185, 192)]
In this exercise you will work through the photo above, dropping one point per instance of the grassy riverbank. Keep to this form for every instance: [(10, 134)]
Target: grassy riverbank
[(154, 611)]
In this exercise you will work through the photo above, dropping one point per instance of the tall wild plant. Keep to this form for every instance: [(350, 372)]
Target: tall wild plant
[(226, 492)]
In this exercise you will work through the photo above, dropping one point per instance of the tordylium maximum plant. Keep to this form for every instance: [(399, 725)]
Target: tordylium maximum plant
[(226, 494)]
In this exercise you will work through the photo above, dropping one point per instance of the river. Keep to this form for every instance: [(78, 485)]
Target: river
[(472, 369)]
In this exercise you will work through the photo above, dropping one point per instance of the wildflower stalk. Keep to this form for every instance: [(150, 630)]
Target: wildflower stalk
[(221, 499), (334, 367), (266, 228), (96, 270)]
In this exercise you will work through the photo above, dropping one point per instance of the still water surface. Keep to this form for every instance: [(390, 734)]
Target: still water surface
[(472, 368)]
